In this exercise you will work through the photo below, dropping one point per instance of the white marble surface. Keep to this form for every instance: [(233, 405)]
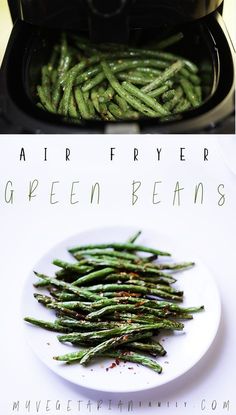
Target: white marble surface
[(5, 27)]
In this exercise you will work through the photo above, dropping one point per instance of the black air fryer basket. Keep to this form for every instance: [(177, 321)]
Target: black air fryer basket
[(205, 42)]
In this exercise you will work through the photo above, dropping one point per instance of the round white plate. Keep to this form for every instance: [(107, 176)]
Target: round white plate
[(184, 349)]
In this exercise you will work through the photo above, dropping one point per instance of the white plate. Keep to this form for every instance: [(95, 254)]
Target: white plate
[(184, 349)]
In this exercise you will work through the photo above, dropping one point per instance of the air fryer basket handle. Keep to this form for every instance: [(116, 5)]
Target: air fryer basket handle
[(108, 20), (14, 10), (107, 8)]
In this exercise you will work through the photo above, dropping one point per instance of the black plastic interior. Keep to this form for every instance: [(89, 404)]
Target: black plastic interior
[(71, 14)]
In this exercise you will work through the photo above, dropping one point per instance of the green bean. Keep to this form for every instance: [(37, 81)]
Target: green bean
[(162, 44), (122, 276), (171, 104), (53, 59), (101, 89), (190, 76), (145, 75), (166, 56), (118, 88), (107, 95), (151, 102), (157, 285), (76, 337), (94, 98), (104, 302), (75, 290), (105, 113), (122, 103), (75, 305), (169, 73), (86, 96), (126, 246), (82, 105), (73, 112), (125, 355), (122, 66), (131, 115), (86, 325), (93, 276), (65, 102), (160, 90), (48, 325), (127, 64), (145, 319), (155, 349), (94, 315), (50, 303), (144, 267), (40, 105), (86, 46), (134, 78), (111, 343), (64, 64), (90, 84), (70, 275), (198, 92), (91, 108), (44, 100), (149, 71), (89, 73), (65, 296), (116, 111), (134, 289), (117, 254), (54, 75), (166, 96), (71, 76), (182, 106), (46, 83), (189, 92)]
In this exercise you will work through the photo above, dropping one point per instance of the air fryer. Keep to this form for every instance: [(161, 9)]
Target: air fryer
[(37, 24)]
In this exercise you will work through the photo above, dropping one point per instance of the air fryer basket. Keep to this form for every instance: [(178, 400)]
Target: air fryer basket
[(205, 42)]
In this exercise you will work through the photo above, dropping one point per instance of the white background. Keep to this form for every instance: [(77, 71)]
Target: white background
[(29, 229)]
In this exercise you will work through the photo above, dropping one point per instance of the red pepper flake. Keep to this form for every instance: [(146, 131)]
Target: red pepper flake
[(112, 366), (134, 275), (117, 362), (140, 303)]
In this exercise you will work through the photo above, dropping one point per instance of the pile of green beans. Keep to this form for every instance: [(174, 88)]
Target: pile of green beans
[(113, 300), (111, 82)]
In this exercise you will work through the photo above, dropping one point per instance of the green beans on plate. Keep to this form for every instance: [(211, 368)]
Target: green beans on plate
[(114, 300), (111, 82)]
